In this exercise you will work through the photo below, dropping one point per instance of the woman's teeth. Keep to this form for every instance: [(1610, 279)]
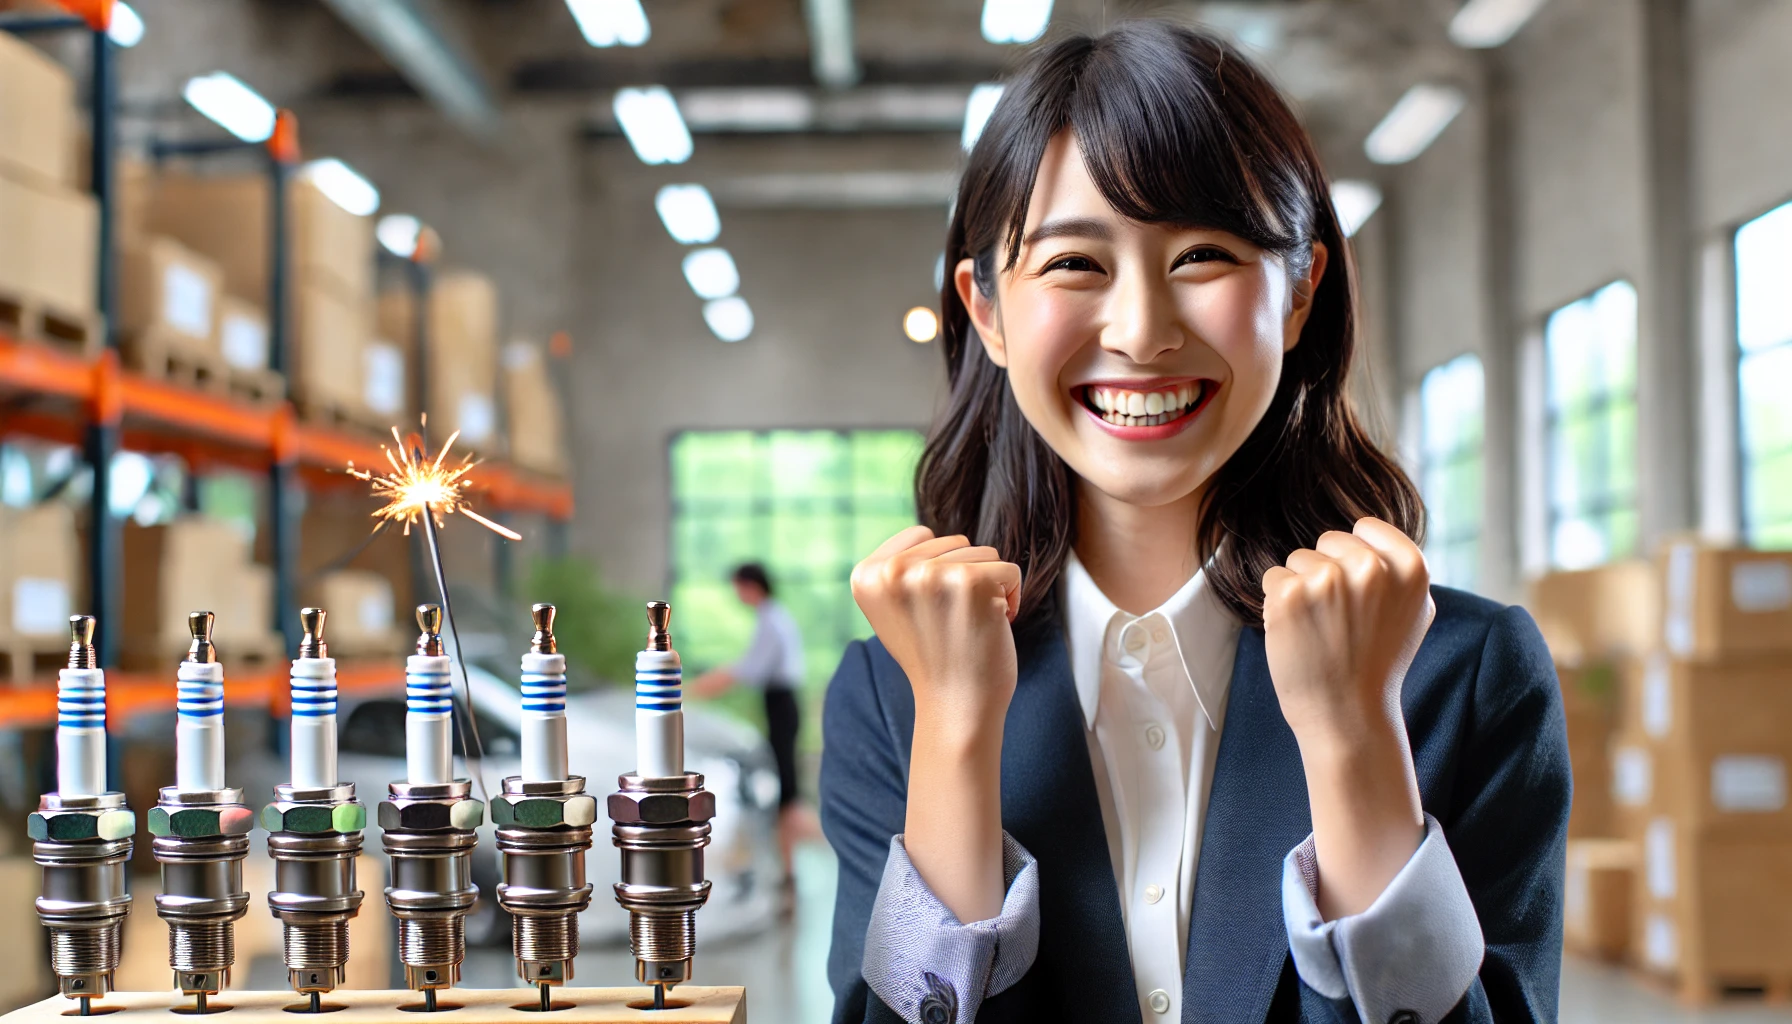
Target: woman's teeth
[(1125, 408)]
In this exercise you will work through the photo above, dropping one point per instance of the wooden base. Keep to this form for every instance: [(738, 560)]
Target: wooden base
[(687, 1004)]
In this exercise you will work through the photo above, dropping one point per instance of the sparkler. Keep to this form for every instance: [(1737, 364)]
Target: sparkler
[(422, 490)]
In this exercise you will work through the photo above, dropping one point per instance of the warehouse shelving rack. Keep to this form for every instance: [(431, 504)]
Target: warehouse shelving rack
[(92, 401)]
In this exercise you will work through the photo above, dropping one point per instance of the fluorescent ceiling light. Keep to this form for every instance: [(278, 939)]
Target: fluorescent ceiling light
[(1355, 202), (831, 56), (977, 110), (688, 213), (712, 273), (343, 186), (1015, 21), (731, 319), (398, 232), (234, 106), (609, 22), (649, 117), (1417, 119), (921, 325), (1483, 24), (126, 29)]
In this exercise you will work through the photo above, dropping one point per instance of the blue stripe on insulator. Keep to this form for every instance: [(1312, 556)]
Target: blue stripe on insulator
[(642, 706), (310, 713), (544, 706)]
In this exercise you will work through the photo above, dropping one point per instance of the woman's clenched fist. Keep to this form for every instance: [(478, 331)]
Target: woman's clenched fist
[(943, 608)]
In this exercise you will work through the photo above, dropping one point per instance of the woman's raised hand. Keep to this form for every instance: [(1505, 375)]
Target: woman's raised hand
[(943, 608), (1341, 624)]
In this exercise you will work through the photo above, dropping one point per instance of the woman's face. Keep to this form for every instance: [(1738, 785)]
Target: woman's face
[(1144, 354)]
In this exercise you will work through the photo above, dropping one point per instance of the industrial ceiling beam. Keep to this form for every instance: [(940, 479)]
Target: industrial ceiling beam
[(412, 37)]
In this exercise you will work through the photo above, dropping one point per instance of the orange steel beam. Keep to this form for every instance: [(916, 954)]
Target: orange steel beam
[(131, 693), (35, 368), (220, 418)]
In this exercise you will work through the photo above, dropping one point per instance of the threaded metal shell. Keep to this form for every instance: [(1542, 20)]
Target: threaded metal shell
[(432, 941), (76, 951), (663, 937)]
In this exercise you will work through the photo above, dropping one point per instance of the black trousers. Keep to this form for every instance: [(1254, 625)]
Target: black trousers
[(783, 717)]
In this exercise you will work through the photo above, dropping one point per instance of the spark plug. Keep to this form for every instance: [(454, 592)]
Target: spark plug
[(428, 823), (82, 834), (314, 829), (544, 821), (661, 816), (201, 830)]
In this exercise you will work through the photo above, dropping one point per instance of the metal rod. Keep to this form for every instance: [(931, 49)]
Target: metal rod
[(86, 1006), (20, 25), (547, 999), (429, 1000), (659, 997), (317, 1002), (199, 1001), (474, 753)]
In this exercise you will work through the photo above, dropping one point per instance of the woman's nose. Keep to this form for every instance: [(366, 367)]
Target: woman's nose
[(1143, 326)]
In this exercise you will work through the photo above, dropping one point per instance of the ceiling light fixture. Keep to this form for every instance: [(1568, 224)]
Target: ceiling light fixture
[(831, 60), (921, 325), (688, 213), (126, 29), (649, 117), (606, 23), (1015, 21), (731, 319), (399, 232), (1414, 122), (342, 185), (1484, 24), (232, 105), (712, 273), (1355, 202), (977, 110)]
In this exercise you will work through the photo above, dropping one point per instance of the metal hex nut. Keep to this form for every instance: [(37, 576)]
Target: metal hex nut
[(545, 811), (430, 815), (314, 819), (661, 808), (200, 822), (76, 825)]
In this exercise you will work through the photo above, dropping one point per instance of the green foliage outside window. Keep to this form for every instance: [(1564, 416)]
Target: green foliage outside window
[(808, 504), (1764, 335), (1590, 366), (1450, 425)]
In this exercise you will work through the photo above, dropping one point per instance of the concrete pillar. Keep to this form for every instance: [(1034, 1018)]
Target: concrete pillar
[(1501, 577)]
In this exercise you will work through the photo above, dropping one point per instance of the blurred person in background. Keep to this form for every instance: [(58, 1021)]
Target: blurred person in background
[(773, 665)]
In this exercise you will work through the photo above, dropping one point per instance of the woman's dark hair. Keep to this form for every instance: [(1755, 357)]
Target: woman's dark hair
[(754, 573), (1175, 127)]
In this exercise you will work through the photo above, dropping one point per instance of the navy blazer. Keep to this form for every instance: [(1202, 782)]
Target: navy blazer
[(1484, 711)]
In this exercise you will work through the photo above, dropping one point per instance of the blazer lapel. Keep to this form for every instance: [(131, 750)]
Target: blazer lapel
[(1256, 812), (1049, 805)]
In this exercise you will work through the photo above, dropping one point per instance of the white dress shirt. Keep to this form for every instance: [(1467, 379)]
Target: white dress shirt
[(775, 656)]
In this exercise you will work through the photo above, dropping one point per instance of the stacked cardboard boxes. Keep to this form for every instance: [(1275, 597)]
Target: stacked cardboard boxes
[(532, 410), (1699, 774), (40, 565), (462, 322), (169, 299), (363, 614), (48, 260), (195, 564)]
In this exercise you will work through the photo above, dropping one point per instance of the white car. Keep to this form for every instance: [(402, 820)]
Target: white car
[(742, 858)]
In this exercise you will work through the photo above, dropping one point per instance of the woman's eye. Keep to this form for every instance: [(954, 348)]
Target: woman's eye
[(1205, 254), (1077, 263)]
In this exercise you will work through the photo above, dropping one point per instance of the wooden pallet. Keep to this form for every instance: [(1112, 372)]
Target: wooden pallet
[(1702, 989), (333, 412), (688, 1004), (163, 356), (257, 387), (29, 319), (30, 658)]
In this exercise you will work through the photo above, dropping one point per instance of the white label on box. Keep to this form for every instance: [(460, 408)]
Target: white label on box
[(1658, 707), (1658, 858), (1748, 782), (1677, 623), (187, 301), (519, 355), (1632, 779), (1661, 944), (39, 606), (374, 613), (1764, 586), (244, 340), (1575, 898), (383, 366), (476, 418)]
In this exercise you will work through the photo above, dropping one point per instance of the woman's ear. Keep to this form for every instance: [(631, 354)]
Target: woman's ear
[(985, 318), (1304, 290)]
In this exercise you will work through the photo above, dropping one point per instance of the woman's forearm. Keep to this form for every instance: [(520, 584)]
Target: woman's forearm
[(1367, 820), (953, 831)]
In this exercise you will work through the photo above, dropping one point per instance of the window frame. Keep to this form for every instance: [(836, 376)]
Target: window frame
[(1605, 504), (1740, 357), (1461, 454)]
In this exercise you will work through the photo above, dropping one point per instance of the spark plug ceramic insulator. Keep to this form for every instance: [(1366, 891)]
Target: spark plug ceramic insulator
[(661, 816), (427, 825), (544, 821), (314, 829), (82, 834), (201, 830)]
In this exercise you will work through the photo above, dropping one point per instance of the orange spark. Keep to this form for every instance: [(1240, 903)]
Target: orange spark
[(417, 486)]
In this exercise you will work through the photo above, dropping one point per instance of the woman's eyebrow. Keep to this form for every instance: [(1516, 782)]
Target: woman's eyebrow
[(1071, 227)]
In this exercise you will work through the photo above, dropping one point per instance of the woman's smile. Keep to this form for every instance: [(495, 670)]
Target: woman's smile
[(1145, 410)]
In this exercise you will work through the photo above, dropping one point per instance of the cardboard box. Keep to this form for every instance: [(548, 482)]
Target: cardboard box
[(1713, 911), (242, 333), (37, 115), (171, 291), (192, 564), (1597, 614), (463, 358), (330, 330), (1597, 897), (1589, 703), (1725, 602), (40, 568), (532, 410), (363, 616), (51, 245), (226, 218)]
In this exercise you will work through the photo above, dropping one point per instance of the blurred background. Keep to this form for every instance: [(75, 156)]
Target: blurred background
[(669, 268)]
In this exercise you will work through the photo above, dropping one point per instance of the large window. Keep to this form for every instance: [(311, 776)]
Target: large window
[(1764, 333), (1450, 424), (1590, 428), (808, 504)]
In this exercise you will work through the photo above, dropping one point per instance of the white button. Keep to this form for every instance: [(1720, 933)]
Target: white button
[(1153, 893), (1134, 640), (1160, 635), (1159, 1000), (1154, 735)]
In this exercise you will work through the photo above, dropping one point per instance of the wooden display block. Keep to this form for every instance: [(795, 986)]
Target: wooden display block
[(688, 1004)]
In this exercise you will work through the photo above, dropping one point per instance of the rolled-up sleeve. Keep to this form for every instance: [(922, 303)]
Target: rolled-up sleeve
[(1416, 949), (927, 965)]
